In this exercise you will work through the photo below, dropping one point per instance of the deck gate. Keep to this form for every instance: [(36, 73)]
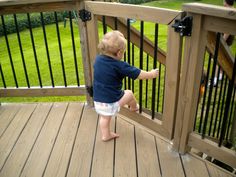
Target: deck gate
[(118, 16)]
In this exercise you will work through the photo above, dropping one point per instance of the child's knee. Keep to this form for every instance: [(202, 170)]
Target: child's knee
[(129, 93)]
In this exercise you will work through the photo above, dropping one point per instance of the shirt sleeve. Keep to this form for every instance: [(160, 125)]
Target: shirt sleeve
[(129, 71)]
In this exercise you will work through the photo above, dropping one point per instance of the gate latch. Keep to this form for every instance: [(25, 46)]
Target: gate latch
[(84, 15), (90, 90), (183, 26)]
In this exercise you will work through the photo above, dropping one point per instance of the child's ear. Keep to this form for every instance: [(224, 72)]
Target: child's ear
[(119, 53)]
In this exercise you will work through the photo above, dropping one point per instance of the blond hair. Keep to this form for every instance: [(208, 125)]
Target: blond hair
[(112, 43)]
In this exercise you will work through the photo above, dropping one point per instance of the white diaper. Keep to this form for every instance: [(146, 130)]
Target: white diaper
[(107, 109)]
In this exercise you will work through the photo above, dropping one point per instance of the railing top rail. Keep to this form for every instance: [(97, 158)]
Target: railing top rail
[(14, 7), (139, 12), (22, 2), (211, 10)]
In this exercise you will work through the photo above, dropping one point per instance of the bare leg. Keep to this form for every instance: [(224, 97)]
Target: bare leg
[(129, 99), (105, 128)]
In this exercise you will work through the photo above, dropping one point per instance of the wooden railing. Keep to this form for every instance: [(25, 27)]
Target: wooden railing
[(181, 91), (207, 20), (57, 88), (153, 16)]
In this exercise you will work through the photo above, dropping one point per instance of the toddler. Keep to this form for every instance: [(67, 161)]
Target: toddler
[(109, 72)]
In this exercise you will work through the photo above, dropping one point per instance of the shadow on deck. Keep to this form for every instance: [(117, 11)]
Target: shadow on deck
[(63, 139)]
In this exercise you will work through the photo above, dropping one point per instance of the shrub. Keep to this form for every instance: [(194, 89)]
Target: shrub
[(134, 1), (35, 19)]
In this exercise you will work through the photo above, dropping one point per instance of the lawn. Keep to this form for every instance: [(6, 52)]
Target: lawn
[(41, 54), (177, 4), (68, 57)]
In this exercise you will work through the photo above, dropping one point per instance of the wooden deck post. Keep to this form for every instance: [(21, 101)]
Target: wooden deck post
[(190, 83), (89, 49), (173, 63)]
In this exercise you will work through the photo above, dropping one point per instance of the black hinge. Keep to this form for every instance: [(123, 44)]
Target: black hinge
[(90, 90), (84, 15), (183, 26)]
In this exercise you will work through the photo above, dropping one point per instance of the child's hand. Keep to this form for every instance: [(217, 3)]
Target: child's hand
[(155, 72), (148, 74)]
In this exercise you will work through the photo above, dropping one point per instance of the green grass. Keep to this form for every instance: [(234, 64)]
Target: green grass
[(67, 54), (53, 46), (177, 4), (41, 55)]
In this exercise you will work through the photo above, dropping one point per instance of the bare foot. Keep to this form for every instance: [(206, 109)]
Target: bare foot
[(112, 136)]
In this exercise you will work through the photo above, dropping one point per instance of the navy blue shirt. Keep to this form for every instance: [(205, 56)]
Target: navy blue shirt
[(108, 76)]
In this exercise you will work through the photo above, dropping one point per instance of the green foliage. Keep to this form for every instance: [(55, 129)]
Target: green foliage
[(134, 1), (170, 4), (177, 4), (22, 21), (54, 52)]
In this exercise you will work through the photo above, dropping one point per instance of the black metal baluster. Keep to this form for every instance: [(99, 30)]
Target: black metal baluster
[(141, 66), (21, 51), (205, 94), (163, 98), (231, 112), (9, 52), (125, 79), (154, 66), (202, 82), (128, 48), (34, 50), (116, 23), (133, 65), (227, 104), (218, 105), (74, 50), (159, 88), (2, 75), (212, 82), (147, 69), (214, 102), (47, 51), (60, 49), (222, 107), (104, 25)]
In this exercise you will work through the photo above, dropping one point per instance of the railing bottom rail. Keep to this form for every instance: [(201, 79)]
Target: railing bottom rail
[(45, 91)]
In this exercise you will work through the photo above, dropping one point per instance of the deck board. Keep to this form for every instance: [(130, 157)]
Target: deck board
[(194, 167), (103, 155), (83, 149), (6, 117), (63, 139), (169, 159), (37, 161), (10, 136), (25, 142), (58, 162), (125, 161), (216, 172), (146, 149)]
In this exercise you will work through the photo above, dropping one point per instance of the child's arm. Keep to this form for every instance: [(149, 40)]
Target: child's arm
[(148, 74)]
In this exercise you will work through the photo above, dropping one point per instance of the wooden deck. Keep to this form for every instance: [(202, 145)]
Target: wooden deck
[(63, 139)]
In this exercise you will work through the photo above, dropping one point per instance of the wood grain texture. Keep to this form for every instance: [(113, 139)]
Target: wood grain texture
[(62, 139), (210, 10), (145, 13)]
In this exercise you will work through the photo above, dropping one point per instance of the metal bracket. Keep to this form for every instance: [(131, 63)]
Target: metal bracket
[(90, 90), (183, 26), (84, 15)]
